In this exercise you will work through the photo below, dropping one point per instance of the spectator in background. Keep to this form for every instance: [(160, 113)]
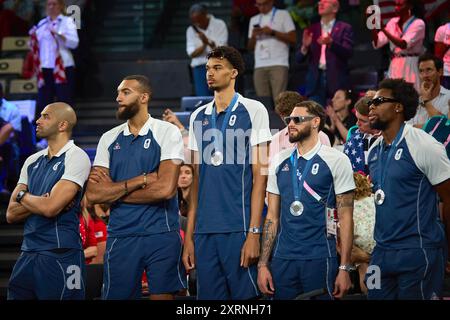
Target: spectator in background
[(87, 233), (10, 125), (442, 51), (361, 137), (270, 34), (405, 35), (184, 188), (327, 45), (98, 226), (284, 104), (364, 223), (204, 34), (340, 114), (433, 98), (10, 24), (51, 41)]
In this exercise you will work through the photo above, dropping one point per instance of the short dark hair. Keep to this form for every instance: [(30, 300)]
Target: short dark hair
[(403, 92), (285, 102), (348, 94), (314, 109), (231, 54), (144, 82), (198, 8), (438, 63)]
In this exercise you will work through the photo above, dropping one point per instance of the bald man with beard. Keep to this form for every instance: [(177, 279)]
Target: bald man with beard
[(47, 198)]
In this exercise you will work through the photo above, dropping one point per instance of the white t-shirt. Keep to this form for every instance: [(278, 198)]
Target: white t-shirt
[(443, 35), (269, 51), (216, 31)]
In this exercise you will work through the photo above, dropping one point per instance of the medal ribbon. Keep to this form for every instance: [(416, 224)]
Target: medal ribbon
[(225, 121), (298, 183), (382, 169)]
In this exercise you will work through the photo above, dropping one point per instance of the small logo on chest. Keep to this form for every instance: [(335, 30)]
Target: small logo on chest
[(398, 154), (55, 167), (205, 122), (285, 168), (147, 143), (232, 120), (116, 146), (315, 169)]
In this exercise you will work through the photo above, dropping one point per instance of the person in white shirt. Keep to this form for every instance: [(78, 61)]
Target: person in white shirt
[(56, 36), (405, 35), (433, 98), (270, 33), (204, 34), (441, 50)]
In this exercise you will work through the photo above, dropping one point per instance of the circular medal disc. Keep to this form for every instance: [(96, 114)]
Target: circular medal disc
[(217, 158), (379, 197), (296, 208)]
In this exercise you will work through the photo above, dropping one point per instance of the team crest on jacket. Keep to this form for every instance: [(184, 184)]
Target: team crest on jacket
[(116, 146), (398, 154), (285, 168), (205, 122)]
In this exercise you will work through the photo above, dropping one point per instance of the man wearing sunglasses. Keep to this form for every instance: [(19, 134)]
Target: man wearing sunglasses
[(310, 188), (409, 169)]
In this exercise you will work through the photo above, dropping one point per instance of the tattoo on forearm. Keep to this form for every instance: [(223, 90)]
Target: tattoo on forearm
[(268, 238), (345, 200)]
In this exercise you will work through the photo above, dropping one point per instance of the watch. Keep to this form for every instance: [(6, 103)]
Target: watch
[(347, 267), (20, 195), (422, 102), (256, 230)]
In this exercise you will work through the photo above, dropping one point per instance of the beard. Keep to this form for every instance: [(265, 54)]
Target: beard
[(128, 112), (379, 125), (300, 135)]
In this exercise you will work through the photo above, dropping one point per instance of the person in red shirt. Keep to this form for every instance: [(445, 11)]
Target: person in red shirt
[(87, 233)]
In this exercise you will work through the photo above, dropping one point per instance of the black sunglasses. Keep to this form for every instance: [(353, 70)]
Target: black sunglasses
[(298, 119), (380, 100)]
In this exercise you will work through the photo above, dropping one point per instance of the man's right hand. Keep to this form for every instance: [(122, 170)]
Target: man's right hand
[(202, 37), (188, 254), (265, 282)]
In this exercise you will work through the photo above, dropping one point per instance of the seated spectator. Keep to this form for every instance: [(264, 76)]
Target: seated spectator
[(361, 137), (364, 223), (87, 232), (442, 50), (433, 98), (100, 231), (10, 126), (184, 187), (284, 104), (340, 114)]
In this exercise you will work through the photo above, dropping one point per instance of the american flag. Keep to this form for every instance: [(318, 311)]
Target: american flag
[(432, 7), (354, 149)]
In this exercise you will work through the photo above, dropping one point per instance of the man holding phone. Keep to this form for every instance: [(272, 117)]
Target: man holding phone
[(204, 34), (270, 34)]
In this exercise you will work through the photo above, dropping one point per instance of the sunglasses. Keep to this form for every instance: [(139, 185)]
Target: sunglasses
[(298, 119), (380, 100)]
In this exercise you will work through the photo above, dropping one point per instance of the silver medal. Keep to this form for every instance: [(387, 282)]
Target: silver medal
[(217, 158), (296, 208), (379, 197)]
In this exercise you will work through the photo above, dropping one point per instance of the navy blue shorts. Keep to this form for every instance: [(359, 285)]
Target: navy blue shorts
[(219, 274), (406, 274), (294, 277), (46, 275), (127, 258)]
